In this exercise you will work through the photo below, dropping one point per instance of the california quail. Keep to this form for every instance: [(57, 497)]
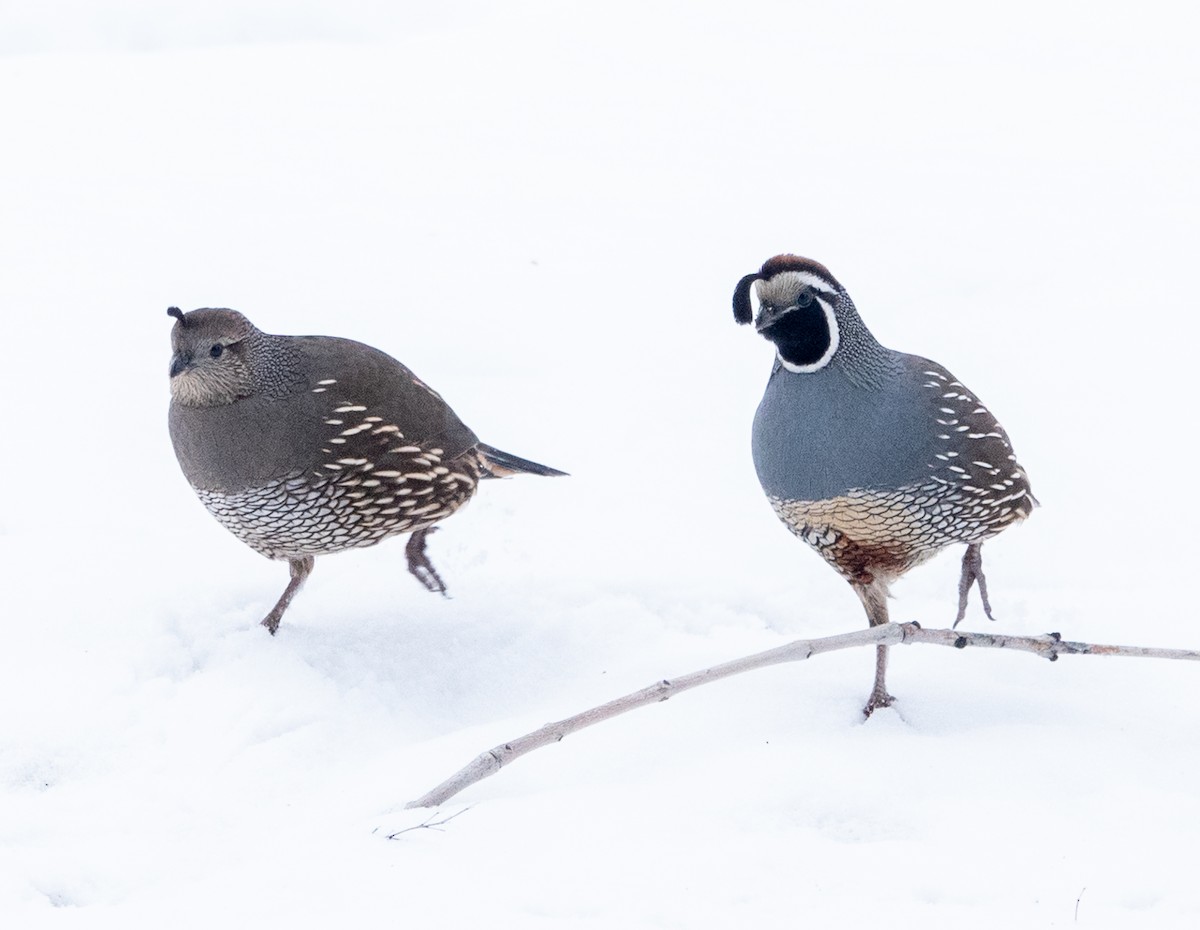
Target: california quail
[(306, 445), (875, 458)]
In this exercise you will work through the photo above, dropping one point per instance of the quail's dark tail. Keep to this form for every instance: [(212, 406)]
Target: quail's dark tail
[(497, 464)]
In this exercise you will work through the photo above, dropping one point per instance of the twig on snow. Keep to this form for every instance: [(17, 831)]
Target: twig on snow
[(429, 823), (1050, 646)]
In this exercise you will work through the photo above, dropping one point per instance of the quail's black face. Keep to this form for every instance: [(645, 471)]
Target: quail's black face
[(797, 297), (208, 365), (801, 330)]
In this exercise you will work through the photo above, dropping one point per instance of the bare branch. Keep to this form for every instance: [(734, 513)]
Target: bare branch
[(1050, 646)]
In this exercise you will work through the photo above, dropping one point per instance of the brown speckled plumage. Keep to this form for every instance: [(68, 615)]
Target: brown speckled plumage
[(308, 445)]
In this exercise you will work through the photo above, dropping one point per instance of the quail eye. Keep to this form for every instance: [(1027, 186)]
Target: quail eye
[(805, 299), (216, 350)]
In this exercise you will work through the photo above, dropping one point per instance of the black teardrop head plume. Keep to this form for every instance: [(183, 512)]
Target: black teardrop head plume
[(178, 314), (742, 312)]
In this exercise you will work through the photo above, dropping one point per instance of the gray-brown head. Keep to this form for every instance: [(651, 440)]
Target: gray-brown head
[(211, 363)]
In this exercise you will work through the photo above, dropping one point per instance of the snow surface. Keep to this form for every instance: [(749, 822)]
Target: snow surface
[(542, 209)]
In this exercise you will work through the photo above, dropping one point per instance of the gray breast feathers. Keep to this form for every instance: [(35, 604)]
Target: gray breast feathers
[(820, 435)]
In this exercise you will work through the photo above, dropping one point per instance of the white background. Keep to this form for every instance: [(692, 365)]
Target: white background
[(543, 209)]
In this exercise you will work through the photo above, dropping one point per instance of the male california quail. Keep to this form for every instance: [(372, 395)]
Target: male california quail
[(875, 458), (305, 445)]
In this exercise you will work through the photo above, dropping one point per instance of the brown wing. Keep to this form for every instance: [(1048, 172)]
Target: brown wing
[(973, 457), (353, 402)]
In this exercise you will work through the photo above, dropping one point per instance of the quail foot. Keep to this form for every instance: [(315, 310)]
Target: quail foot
[(875, 458), (307, 445)]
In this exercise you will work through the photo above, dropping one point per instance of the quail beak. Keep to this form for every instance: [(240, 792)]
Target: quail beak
[(768, 316), (179, 362)]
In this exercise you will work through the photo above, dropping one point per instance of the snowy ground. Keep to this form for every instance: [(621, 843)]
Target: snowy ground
[(543, 210)]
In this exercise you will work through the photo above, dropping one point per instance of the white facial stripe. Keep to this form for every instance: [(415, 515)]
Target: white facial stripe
[(834, 338), (816, 282)]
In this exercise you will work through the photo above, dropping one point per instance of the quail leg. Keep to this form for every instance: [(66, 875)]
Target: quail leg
[(972, 571), (419, 565), (879, 693), (300, 569), (873, 595)]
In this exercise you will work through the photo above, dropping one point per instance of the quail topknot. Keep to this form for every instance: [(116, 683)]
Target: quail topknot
[(875, 458), (307, 445)]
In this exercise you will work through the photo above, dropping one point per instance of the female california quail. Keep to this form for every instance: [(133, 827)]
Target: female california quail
[(307, 445), (875, 458)]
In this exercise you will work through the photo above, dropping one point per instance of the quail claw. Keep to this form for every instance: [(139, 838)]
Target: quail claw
[(419, 565), (877, 700)]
